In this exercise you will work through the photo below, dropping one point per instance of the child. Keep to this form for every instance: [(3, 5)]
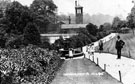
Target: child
[(91, 50)]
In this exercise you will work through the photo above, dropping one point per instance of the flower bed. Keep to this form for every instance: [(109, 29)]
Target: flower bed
[(28, 65)]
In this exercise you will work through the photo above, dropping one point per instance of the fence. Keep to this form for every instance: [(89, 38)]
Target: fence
[(105, 67), (96, 60)]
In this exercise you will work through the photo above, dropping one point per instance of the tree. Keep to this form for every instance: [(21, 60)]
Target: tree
[(101, 28), (31, 35), (16, 18), (131, 19), (42, 22), (107, 26), (2, 41), (122, 23), (45, 13), (92, 29), (3, 5), (115, 24), (131, 22), (44, 7)]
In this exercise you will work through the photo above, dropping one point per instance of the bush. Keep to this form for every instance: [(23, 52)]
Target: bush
[(45, 45), (2, 42), (15, 42), (28, 65)]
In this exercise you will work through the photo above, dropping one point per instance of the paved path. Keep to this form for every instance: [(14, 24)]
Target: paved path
[(82, 71)]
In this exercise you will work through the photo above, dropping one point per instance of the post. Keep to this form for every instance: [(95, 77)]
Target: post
[(84, 55), (93, 58), (89, 56), (104, 67), (82, 49), (70, 53), (97, 62), (129, 54), (120, 76), (69, 20)]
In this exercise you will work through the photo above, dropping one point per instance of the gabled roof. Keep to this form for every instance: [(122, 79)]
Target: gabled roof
[(73, 26)]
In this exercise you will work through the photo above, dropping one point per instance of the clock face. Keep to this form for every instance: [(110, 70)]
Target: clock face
[(79, 11)]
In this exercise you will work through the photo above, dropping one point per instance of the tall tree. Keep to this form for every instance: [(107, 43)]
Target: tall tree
[(3, 5), (115, 24), (44, 7), (131, 19), (17, 17), (45, 13)]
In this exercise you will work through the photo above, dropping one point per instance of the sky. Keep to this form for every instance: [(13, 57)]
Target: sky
[(107, 7)]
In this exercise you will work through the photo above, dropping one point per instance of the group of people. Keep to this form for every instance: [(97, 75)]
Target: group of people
[(118, 45), (91, 48)]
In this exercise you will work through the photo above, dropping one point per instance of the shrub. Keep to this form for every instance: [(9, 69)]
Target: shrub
[(28, 65), (73, 42), (15, 42)]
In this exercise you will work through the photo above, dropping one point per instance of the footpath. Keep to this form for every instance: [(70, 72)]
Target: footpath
[(102, 68), (82, 71), (122, 69)]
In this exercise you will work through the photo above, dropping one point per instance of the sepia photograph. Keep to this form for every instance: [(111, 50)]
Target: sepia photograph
[(67, 41)]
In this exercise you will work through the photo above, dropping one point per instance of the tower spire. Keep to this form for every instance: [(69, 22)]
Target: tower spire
[(75, 3)]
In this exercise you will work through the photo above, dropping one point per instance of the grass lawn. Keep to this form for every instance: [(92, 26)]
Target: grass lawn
[(129, 48)]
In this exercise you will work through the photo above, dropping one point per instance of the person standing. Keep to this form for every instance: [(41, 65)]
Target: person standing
[(119, 45), (91, 49), (100, 46)]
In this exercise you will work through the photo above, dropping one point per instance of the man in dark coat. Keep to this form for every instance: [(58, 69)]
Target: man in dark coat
[(119, 45)]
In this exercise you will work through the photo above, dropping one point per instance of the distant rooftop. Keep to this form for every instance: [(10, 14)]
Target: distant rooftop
[(73, 26), (57, 35)]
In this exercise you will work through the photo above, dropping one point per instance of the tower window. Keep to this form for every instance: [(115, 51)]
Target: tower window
[(79, 11)]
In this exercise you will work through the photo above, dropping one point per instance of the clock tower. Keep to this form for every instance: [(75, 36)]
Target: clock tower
[(78, 13)]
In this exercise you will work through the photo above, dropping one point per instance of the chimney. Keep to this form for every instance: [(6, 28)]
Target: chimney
[(75, 3)]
